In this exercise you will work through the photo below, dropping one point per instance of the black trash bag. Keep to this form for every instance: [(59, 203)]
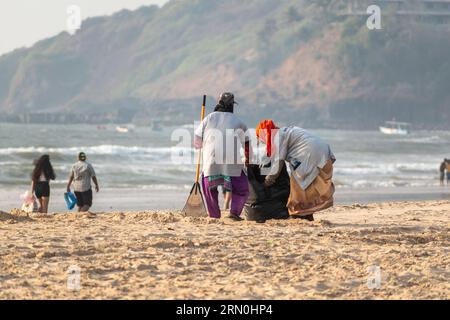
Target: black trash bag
[(267, 203)]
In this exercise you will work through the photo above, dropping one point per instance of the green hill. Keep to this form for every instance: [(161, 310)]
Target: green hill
[(299, 61)]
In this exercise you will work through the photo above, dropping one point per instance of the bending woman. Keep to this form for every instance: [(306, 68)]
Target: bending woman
[(311, 166), (40, 182)]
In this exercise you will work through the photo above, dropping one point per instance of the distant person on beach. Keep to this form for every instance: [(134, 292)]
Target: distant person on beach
[(311, 165), (81, 175), (217, 169), (40, 181), (448, 170), (442, 169)]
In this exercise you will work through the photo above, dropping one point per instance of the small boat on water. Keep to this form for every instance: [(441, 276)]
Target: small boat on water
[(396, 128), (122, 129)]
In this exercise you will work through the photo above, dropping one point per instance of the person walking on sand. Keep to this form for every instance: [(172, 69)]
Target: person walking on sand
[(442, 169), (40, 181), (218, 168), (311, 166), (226, 200), (81, 175)]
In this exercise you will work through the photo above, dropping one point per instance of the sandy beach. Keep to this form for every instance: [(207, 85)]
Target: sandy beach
[(163, 255)]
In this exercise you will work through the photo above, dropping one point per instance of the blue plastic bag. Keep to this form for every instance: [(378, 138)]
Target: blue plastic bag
[(71, 200)]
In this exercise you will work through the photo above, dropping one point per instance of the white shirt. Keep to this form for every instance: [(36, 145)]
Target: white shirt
[(82, 172), (304, 152), (223, 136)]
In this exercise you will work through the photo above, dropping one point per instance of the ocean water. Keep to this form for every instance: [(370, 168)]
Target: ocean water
[(142, 158)]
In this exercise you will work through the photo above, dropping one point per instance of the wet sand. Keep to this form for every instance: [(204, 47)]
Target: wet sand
[(173, 199), (163, 255)]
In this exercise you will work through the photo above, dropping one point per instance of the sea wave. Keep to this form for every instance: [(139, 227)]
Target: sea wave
[(97, 150), (388, 183), (428, 139), (381, 168)]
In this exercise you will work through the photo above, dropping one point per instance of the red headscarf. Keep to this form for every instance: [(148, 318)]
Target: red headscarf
[(264, 133)]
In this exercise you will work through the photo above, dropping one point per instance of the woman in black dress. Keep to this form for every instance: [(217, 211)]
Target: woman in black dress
[(40, 181)]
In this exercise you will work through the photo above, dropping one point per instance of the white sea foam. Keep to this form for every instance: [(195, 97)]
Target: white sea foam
[(96, 150)]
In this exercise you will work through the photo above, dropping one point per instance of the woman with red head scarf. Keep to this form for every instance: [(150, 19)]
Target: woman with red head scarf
[(311, 165)]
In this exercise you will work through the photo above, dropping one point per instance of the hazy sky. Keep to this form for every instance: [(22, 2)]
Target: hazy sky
[(23, 22)]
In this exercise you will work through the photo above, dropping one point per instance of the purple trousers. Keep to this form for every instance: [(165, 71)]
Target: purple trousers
[(239, 195)]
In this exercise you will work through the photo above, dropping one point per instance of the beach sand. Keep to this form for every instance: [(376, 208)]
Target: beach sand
[(162, 255)]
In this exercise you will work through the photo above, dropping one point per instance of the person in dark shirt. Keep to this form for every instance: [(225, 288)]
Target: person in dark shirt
[(40, 181), (442, 172)]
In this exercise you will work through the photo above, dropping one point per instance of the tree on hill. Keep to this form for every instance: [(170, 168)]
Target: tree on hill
[(293, 15)]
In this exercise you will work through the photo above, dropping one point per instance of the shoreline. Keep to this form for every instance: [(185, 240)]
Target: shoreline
[(174, 199)]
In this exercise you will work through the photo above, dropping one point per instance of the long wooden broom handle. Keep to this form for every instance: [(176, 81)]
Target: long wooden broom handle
[(197, 175)]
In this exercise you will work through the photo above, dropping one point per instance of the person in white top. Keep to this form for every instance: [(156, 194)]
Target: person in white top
[(310, 161), (223, 136), (81, 175)]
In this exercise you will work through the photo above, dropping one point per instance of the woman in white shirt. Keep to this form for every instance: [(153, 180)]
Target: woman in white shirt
[(222, 135)]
